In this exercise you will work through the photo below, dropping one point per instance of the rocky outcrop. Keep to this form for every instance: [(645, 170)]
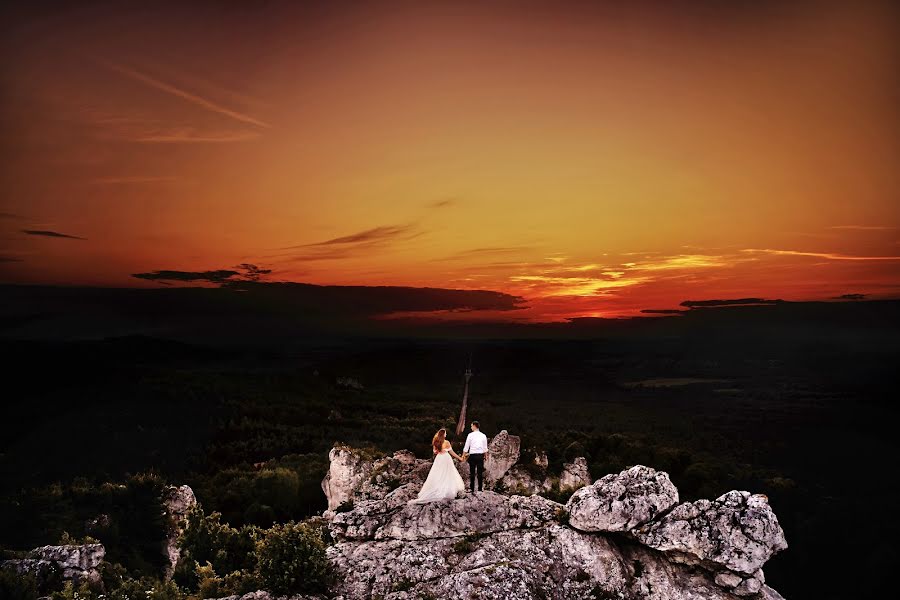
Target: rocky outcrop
[(503, 453), (737, 531), (77, 563), (177, 502), (347, 470), (355, 475), (575, 475), (621, 502), (618, 538), (264, 595)]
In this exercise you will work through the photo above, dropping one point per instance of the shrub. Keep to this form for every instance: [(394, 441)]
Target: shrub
[(206, 539), (68, 540), (237, 583), (291, 559)]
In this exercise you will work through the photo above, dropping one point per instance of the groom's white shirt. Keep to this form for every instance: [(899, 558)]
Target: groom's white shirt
[(476, 443)]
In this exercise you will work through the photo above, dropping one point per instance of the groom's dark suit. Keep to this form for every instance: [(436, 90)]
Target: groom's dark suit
[(476, 447), (476, 470)]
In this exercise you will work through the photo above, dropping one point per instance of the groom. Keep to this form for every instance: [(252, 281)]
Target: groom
[(475, 451)]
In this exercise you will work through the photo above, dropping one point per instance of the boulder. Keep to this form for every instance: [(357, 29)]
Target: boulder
[(575, 475), (503, 453), (621, 502), (75, 562), (737, 531), (347, 470)]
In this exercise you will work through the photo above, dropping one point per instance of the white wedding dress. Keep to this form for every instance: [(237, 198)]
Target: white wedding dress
[(443, 480)]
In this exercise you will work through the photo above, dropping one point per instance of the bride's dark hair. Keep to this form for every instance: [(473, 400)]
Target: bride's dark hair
[(437, 442)]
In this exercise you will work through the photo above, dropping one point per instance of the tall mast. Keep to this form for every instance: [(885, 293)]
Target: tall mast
[(461, 426)]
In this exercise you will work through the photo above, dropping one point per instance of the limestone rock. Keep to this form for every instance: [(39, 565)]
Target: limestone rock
[(575, 475), (503, 453), (484, 512), (347, 469), (620, 502), (519, 480), (737, 531), (177, 502), (619, 538), (73, 562)]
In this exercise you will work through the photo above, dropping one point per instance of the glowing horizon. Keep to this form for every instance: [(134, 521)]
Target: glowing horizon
[(594, 159)]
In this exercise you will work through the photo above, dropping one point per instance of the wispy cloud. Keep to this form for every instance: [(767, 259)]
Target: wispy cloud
[(189, 135), (10, 216), (4, 258), (485, 252), (137, 179), (828, 255), (186, 95), (142, 128), (361, 243), (443, 203), (863, 227), (376, 234), (681, 261), (53, 234), (546, 286)]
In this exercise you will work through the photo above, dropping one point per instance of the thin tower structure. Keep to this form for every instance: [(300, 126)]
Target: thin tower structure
[(461, 426)]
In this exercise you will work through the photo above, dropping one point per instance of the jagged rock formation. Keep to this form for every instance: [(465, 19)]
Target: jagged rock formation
[(624, 537), (621, 502), (72, 562), (177, 502)]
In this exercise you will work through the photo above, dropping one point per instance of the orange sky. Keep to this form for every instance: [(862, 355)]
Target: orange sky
[(595, 159)]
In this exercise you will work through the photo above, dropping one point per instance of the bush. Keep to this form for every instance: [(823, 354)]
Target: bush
[(207, 540), (291, 559), (145, 588), (237, 583)]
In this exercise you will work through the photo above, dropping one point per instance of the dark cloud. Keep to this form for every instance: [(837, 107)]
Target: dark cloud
[(376, 234), (663, 311), (242, 272), (10, 259), (850, 297), (729, 302), (6, 215), (218, 276), (54, 234)]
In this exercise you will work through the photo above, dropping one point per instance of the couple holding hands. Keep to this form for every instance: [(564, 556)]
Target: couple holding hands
[(443, 479)]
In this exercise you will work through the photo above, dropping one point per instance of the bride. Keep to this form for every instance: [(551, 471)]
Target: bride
[(443, 480)]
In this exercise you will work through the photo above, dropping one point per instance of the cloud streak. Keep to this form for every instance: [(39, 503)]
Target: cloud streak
[(184, 94), (53, 234), (827, 255), (864, 227)]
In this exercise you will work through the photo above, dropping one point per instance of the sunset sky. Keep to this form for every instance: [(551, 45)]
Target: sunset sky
[(594, 158)]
